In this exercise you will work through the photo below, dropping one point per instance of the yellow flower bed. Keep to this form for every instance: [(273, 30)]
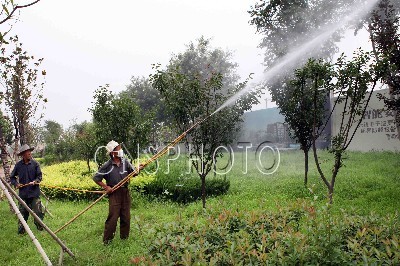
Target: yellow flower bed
[(75, 175)]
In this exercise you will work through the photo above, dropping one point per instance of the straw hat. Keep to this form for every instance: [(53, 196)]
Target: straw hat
[(23, 148)]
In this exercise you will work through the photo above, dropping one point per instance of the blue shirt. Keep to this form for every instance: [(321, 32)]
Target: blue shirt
[(27, 173)]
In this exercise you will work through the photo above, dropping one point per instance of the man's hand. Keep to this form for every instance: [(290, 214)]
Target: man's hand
[(108, 189), (18, 186), (32, 183), (141, 166)]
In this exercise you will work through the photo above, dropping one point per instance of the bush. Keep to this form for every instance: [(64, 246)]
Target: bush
[(49, 159), (299, 235), (59, 178), (40, 160), (184, 190)]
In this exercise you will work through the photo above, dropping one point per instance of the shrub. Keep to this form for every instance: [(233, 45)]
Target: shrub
[(40, 160), (175, 183), (298, 235), (58, 178), (184, 190)]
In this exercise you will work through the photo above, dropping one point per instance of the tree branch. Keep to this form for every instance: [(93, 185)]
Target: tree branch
[(15, 9)]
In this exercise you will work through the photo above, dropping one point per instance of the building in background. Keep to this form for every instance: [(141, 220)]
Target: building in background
[(377, 132)]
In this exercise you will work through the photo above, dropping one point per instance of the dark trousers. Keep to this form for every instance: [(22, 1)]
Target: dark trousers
[(119, 206), (36, 207)]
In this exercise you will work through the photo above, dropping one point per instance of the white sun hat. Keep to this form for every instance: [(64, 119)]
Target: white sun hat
[(111, 146)]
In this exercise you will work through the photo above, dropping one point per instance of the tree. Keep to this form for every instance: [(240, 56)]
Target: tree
[(86, 141), (355, 82), (65, 150), (120, 118), (296, 104), (149, 99), (146, 97), (7, 13), (7, 129), (384, 30), (285, 25), (194, 84), (51, 135), (5, 138), (23, 93)]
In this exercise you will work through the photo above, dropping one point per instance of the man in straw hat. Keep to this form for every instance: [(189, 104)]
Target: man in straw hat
[(113, 171), (29, 177)]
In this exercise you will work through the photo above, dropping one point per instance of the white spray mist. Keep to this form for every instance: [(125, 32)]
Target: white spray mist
[(293, 58)]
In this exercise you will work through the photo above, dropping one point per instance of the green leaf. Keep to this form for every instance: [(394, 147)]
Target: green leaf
[(6, 9)]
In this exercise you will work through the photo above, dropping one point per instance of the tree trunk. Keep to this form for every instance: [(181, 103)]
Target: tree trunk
[(336, 167), (330, 195), (4, 157), (5, 162), (396, 114), (22, 134), (203, 190), (88, 163), (15, 153), (305, 168)]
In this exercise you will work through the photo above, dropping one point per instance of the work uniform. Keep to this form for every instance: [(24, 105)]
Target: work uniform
[(28, 172), (119, 202)]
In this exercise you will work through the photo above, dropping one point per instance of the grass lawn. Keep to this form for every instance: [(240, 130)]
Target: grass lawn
[(369, 182)]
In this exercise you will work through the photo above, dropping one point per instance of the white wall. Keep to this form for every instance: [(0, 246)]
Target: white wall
[(377, 131)]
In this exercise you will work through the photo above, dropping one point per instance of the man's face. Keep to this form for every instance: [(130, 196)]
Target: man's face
[(115, 151), (26, 155)]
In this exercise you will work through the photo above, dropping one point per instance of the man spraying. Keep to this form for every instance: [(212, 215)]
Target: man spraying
[(119, 201)]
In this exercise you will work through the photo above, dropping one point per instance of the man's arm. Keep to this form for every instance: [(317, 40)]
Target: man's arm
[(131, 168), (98, 179), (108, 189)]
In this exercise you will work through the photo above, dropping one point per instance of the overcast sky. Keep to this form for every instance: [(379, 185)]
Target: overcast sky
[(87, 43)]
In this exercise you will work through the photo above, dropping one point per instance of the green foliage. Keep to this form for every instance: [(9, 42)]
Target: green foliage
[(296, 101), (6, 127), (298, 235), (369, 183), (186, 189), (174, 183), (384, 29), (355, 80), (195, 84), (51, 135), (74, 175), (71, 174), (141, 91), (119, 118), (85, 141), (286, 24), (303, 103)]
